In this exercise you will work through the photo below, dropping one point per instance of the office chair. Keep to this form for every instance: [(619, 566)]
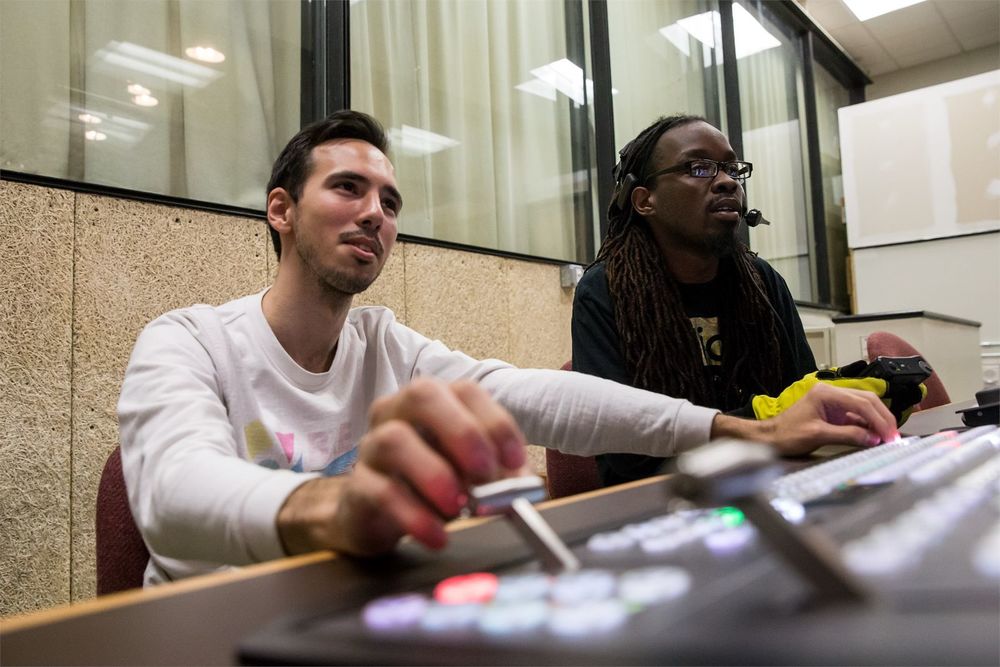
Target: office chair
[(121, 554), (885, 344), (568, 474)]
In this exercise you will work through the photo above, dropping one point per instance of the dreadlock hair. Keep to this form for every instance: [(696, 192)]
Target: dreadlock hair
[(661, 349)]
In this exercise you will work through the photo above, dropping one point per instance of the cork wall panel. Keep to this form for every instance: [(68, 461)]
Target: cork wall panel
[(35, 352), (459, 298), (540, 314), (135, 261), (389, 288)]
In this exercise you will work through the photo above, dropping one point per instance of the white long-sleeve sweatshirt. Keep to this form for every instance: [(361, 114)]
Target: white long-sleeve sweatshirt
[(219, 425)]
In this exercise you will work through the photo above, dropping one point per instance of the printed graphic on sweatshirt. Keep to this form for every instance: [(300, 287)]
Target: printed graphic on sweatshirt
[(331, 453), (707, 330)]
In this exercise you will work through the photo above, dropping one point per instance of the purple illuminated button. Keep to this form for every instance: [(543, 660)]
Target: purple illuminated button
[(729, 540), (397, 612)]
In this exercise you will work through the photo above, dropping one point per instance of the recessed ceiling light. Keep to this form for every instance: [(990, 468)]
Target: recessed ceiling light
[(136, 89), (94, 135), (206, 54), (869, 9), (89, 119), (145, 100)]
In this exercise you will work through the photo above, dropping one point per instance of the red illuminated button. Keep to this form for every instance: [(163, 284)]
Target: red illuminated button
[(466, 588)]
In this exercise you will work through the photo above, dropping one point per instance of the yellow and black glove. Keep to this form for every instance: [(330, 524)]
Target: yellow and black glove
[(899, 397)]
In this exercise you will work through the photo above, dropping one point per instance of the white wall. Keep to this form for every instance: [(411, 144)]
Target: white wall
[(937, 71), (922, 195), (955, 276)]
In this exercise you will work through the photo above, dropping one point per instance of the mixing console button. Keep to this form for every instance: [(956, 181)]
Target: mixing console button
[(447, 617), (397, 612), (653, 585), (986, 555), (610, 542), (509, 618), (466, 588), (588, 618), (729, 540), (574, 587), (523, 587)]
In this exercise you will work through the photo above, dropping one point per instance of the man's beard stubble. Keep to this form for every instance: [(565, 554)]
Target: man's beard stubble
[(333, 281)]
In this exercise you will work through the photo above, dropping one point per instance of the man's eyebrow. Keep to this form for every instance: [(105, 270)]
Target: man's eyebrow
[(696, 153), (361, 178)]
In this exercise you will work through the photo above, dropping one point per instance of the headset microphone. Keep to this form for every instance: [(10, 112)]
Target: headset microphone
[(753, 217)]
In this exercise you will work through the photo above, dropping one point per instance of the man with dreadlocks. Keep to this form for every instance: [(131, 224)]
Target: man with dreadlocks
[(675, 303)]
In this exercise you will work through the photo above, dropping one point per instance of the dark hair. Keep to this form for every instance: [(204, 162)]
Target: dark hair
[(293, 165), (662, 352)]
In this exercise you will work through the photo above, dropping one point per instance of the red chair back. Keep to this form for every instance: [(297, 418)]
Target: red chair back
[(568, 474), (121, 554), (885, 344)]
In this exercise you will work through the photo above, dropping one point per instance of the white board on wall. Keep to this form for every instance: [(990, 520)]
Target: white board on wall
[(924, 164)]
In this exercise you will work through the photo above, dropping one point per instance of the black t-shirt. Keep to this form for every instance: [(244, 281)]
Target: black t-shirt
[(597, 349)]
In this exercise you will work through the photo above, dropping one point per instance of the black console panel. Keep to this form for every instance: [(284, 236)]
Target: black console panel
[(917, 521)]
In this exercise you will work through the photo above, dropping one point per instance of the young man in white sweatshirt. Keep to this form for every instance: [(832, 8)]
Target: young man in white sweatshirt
[(285, 422)]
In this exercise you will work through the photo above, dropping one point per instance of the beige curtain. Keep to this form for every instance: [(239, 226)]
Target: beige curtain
[(215, 128), (479, 160), (773, 139), (657, 67)]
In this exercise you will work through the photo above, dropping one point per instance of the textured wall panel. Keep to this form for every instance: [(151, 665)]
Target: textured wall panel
[(459, 298), (540, 313), (36, 225), (135, 261)]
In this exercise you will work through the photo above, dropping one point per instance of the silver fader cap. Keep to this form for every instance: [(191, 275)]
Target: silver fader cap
[(496, 497), (514, 498)]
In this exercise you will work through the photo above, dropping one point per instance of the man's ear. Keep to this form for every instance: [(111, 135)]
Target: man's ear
[(279, 210), (643, 201)]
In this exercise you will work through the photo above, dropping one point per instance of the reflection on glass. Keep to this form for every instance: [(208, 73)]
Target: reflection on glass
[(831, 96), (205, 126), (664, 60), (773, 139), (480, 98)]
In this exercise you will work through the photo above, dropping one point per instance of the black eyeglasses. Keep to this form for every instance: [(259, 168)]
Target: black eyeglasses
[(735, 169)]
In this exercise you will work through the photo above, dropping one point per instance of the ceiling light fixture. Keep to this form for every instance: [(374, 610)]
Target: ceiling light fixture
[(751, 36), (145, 100), (869, 9), (89, 119), (415, 141), (205, 54), (137, 58), (562, 76), (94, 135)]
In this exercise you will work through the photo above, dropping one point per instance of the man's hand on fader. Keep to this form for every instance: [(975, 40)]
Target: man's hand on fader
[(426, 445)]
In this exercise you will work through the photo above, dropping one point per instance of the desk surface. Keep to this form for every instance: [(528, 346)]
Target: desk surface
[(201, 620)]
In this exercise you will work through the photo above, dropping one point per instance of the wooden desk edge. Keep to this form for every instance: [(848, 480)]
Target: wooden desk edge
[(103, 603)]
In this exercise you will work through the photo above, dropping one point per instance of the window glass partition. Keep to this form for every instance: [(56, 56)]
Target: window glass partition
[(770, 79), (665, 59), (831, 95), (181, 98), (479, 98), (488, 105)]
